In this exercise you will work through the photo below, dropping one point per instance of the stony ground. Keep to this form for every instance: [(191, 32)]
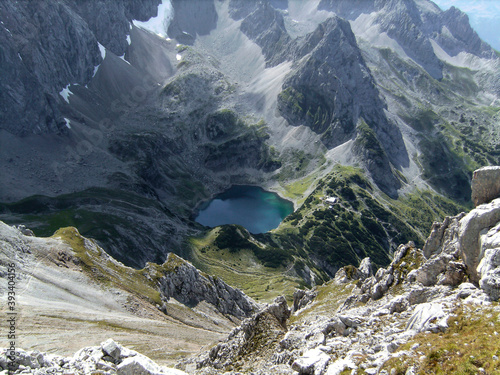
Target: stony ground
[(61, 309)]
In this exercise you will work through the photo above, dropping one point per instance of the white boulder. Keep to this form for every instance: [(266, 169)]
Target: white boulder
[(428, 317), (313, 362)]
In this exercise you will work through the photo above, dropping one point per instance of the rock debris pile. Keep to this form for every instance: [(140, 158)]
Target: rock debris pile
[(107, 359)]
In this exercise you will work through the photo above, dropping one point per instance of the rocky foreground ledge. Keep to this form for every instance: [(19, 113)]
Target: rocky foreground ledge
[(366, 323), (107, 359)]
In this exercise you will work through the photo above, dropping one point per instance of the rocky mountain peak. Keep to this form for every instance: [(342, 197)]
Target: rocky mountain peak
[(457, 35), (332, 107), (265, 25)]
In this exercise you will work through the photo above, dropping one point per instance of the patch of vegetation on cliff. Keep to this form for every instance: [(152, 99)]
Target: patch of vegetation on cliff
[(307, 106), (360, 222), (368, 142), (106, 270)]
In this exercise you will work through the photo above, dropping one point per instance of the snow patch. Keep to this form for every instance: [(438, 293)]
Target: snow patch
[(128, 40), (102, 49), (66, 92), (123, 58), (178, 57), (20, 58), (96, 68), (159, 24), (68, 122)]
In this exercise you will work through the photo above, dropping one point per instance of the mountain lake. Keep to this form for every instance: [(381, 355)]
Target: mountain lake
[(252, 207)]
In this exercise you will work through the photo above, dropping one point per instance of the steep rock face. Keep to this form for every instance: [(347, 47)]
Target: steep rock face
[(375, 159), (402, 21), (489, 267), (48, 45), (100, 14), (265, 26), (187, 285), (192, 18), (45, 47), (461, 36), (459, 236), (327, 105)]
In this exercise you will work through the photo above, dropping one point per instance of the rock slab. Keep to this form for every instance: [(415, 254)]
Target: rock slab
[(485, 185)]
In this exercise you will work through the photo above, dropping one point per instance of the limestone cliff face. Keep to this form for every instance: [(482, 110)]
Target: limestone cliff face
[(265, 25), (319, 93), (473, 238), (188, 285), (402, 21), (41, 54), (192, 18), (331, 90), (485, 185)]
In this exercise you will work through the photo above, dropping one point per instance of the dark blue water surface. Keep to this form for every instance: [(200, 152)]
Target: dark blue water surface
[(249, 206)]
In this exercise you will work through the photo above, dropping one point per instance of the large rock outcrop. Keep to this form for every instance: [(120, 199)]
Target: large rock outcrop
[(332, 92), (179, 279), (192, 18), (256, 337), (471, 239), (265, 26), (485, 185)]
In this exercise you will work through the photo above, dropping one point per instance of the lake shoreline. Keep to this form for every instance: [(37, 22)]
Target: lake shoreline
[(255, 208)]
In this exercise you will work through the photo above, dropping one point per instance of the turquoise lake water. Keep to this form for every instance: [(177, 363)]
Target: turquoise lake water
[(249, 206)]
